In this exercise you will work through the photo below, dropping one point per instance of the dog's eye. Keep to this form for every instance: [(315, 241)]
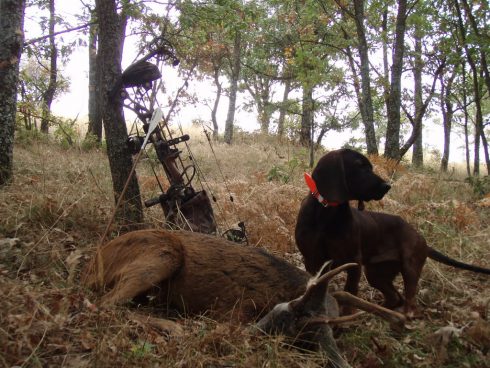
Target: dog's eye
[(363, 165)]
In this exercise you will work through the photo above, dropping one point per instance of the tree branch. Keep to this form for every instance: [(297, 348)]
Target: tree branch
[(35, 40)]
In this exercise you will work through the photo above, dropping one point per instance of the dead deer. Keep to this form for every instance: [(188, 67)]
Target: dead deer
[(197, 273)]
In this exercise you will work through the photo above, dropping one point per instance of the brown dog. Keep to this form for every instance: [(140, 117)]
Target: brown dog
[(328, 228)]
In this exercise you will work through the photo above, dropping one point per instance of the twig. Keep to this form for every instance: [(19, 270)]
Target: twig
[(37, 39), (96, 182), (35, 349)]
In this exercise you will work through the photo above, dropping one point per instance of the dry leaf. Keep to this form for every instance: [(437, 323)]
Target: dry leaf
[(72, 262), (441, 339), (163, 326), (89, 305), (9, 242), (479, 334)]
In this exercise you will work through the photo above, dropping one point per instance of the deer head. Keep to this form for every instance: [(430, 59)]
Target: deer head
[(308, 320), (304, 320)]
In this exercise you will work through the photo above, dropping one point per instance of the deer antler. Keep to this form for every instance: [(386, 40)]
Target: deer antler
[(334, 321), (397, 320), (330, 274)]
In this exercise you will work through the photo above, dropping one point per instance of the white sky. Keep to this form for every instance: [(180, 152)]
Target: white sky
[(75, 102)]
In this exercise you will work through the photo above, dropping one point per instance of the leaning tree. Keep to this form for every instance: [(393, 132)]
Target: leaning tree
[(112, 26)]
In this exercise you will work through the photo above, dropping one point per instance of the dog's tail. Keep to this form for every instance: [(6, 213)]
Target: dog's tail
[(442, 258)]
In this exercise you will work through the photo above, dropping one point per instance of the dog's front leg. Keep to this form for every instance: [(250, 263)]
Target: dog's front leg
[(352, 286)]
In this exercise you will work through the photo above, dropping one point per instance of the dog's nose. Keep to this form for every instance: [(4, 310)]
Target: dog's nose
[(385, 187)]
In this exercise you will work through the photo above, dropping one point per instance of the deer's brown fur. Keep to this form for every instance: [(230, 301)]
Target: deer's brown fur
[(196, 273)]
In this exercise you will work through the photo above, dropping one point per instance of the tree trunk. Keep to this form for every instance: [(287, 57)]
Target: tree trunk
[(386, 65), (214, 111), (366, 105), (476, 92), (357, 87), (355, 80), (26, 111), (307, 117), (259, 89), (480, 42), (235, 75), (265, 107), (48, 95), (283, 108), (94, 116), (392, 148), (485, 150), (465, 110), (11, 41), (447, 117), (420, 106), (476, 148), (417, 150), (111, 41)]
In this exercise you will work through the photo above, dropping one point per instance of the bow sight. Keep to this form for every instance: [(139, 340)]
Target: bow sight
[(183, 206)]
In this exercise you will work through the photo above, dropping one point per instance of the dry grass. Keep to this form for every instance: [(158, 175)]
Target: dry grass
[(57, 207)]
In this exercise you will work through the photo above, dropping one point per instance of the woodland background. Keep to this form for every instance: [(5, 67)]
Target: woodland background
[(305, 68)]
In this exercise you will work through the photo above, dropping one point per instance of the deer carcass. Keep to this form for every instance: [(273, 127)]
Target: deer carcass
[(199, 273)]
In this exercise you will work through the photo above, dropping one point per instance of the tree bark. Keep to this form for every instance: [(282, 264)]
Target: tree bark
[(476, 93), (485, 149), (417, 149), (421, 105), (481, 42), (357, 87), (235, 75), (366, 103), (259, 89), (465, 121), (392, 146), (283, 108), (386, 65), (265, 107), (94, 116), (214, 111), (307, 117), (11, 41), (447, 117), (111, 42), (48, 95), (419, 114)]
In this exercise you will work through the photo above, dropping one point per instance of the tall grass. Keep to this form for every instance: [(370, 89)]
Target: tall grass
[(56, 209)]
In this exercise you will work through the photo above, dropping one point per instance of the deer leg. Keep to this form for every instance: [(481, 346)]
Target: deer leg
[(139, 276)]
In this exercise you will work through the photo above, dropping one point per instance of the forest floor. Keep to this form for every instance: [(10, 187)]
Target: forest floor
[(53, 214)]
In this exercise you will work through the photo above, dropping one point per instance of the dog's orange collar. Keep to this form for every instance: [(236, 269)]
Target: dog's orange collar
[(314, 191)]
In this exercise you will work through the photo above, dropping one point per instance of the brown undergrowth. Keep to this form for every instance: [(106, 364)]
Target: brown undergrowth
[(55, 211)]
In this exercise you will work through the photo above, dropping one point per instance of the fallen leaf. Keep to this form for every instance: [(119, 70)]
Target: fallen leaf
[(441, 338), (479, 334), (89, 305)]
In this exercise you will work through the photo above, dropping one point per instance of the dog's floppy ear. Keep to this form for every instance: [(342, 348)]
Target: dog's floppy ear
[(329, 176)]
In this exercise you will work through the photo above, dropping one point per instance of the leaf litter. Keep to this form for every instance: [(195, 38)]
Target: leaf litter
[(47, 236)]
